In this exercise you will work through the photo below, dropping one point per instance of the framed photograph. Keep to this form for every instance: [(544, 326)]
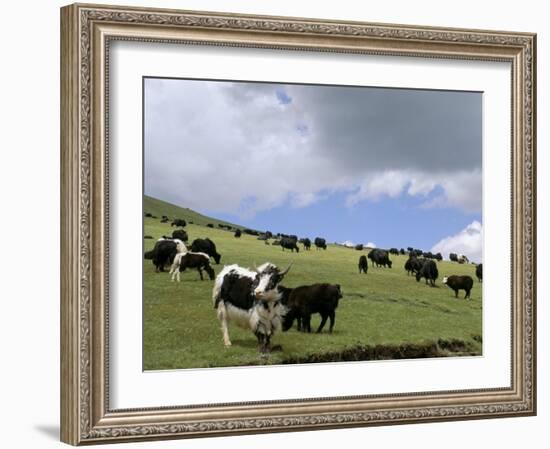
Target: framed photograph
[(278, 224)]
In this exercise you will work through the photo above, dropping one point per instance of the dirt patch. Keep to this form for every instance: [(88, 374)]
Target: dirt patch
[(441, 348)]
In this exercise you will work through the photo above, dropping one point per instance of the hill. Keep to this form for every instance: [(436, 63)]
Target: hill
[(383, 314), (159, 208)]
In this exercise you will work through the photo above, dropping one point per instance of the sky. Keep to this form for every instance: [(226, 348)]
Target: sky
[(387, 167)]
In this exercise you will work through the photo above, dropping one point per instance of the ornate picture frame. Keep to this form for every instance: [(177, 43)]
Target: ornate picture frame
[(86, 34)]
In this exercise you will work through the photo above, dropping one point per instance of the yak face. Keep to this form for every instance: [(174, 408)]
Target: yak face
[(288, 319), (445, 279), (265, 283), (210, 271), (418, 276), (217, 258)]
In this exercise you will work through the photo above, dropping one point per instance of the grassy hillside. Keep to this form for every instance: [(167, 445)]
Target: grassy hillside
[(384, 312), (159, 208)]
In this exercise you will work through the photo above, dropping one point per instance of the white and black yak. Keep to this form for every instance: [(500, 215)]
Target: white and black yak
[(250, 299), (164, 252), (457, 283), (200, 261)]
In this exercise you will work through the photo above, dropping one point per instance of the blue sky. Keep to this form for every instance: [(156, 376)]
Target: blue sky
[(399, 222), (395, 167)]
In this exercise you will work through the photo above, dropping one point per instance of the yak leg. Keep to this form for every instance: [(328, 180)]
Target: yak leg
[(263, 342), (222, 316), (306, 323), (200, 273), (323, 321), (467, 295), (332, 317), (456, 294)]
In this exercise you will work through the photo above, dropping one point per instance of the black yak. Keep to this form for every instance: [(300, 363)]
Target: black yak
[(320, 243), (479, 272), (428, 272), (363, 264), (380, 258), (206, 246), (457, 283), (302, 302)]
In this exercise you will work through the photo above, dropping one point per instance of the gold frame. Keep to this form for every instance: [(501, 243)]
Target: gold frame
[(86, 31)]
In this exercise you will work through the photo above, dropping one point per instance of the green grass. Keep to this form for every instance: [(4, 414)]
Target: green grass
[(385, 307)]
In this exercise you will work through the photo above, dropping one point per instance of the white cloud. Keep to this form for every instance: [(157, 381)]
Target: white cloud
[(469, 241), (371, 245), (460, 189)]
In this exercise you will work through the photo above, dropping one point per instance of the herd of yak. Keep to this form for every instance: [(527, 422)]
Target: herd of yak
[(255, 299)]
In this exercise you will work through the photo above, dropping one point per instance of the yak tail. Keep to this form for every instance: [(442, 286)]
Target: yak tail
[(216, 291), (149, 254)]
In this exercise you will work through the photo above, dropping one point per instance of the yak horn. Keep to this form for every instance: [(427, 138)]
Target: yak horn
[(286, 271)]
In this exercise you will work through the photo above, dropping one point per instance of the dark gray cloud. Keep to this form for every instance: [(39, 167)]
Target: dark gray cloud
[(245, 147)]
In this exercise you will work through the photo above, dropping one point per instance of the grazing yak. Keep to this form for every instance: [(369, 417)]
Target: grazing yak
[(180, 234), (164, 220), (479, 272), (238, 233), (463, 259), (251, 299), (428, 272), (182, 261), (148, 215), (206, 246), (210, 225), (306, 242), (402, 251), (453, 257), (413, 265), (363, 264), (438, 257), (380, 258), (320, 243), (251, 232), (457, 283), (289, 243), (147, 237), (164, 252), (359, 247), (394, 251), (301, 302), (179, 222)]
